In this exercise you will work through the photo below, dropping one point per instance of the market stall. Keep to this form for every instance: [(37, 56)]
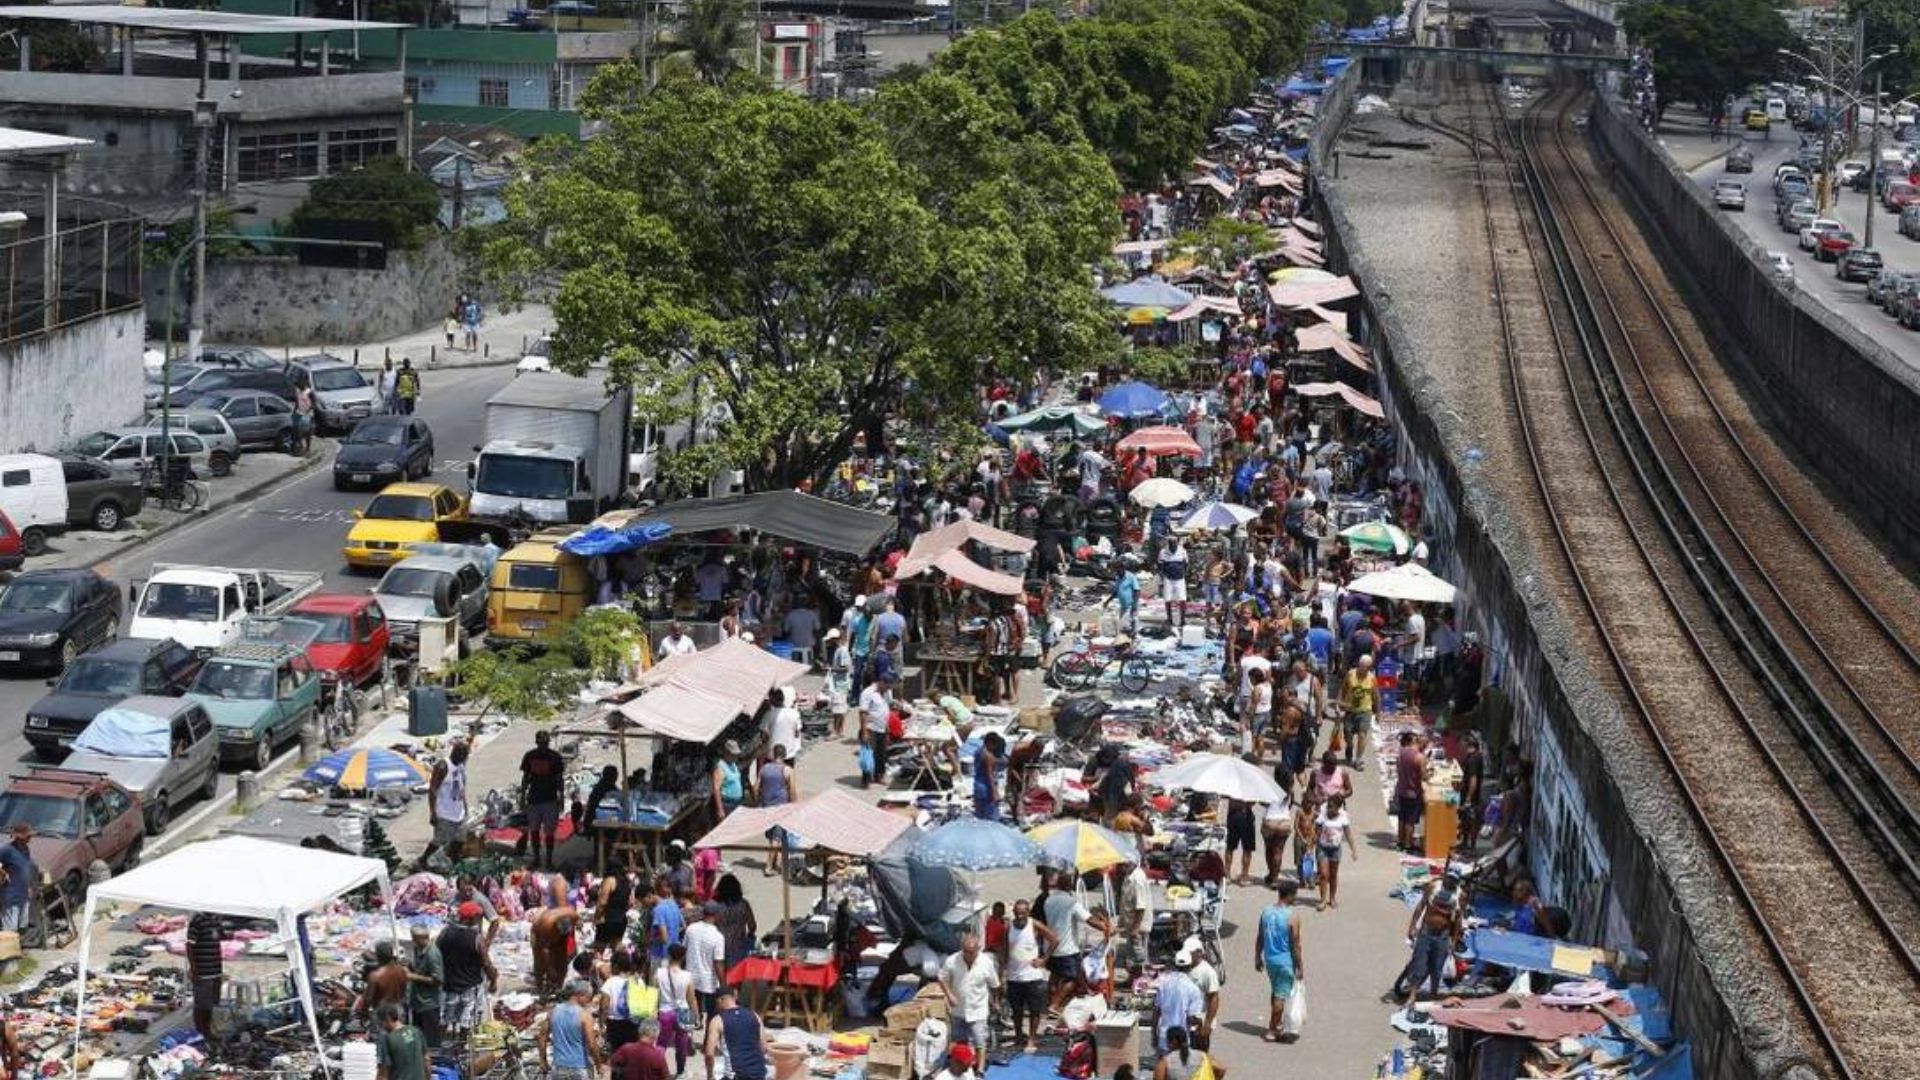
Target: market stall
[(246, 878), (952, 647)]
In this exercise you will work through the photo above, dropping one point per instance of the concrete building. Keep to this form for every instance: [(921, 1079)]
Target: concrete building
[(71, 323), (281, 107)]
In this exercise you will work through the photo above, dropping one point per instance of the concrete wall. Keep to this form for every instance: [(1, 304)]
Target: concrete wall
[(1839, 398), (57, 387), (276, 301), (1610, 842), (256, 100)]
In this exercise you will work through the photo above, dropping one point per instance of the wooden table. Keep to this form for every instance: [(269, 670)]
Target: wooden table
[(949, 669), (795, 994), (638, 845)]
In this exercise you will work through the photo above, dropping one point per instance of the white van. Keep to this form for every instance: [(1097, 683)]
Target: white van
[(33, 492), (1776, 110)]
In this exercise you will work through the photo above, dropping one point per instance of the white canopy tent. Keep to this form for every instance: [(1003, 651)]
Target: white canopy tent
[(243, 877)]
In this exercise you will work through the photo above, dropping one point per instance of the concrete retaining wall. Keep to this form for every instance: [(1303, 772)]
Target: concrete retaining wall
[(1609, 841), (273, 300), (57, 387), (1839, 398)]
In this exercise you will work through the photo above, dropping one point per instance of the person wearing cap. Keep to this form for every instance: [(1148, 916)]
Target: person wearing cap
[(569, 1045), (738, 1029), (18, 874), (962, 1062), (1207, 978), (728, 786), (1177, 1000), (425, 974), (706, 955), (470, 974)]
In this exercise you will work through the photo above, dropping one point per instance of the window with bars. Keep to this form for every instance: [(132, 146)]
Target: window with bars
[(288, 156), (351, 148), (493, 93)]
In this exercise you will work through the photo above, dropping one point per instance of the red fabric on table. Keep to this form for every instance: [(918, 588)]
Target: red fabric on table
[(754, 969), (814, 976)]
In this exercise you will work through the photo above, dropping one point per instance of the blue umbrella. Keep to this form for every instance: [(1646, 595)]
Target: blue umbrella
[(1147, 292), (1133, 400), (973, 844), (366, 769)]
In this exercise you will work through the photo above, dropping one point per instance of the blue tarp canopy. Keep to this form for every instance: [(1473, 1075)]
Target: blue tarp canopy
[(601, 540), (119, 732), (1133, 400), (1147, 292), (1298, 85), (1526, 952), (1334, 65)]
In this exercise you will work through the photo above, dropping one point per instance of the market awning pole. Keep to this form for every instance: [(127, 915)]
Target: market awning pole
[(297, 961), (386, 900), (80, 985)]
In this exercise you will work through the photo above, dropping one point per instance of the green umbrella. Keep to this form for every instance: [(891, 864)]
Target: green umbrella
[(1056, 418), (1379, 536)]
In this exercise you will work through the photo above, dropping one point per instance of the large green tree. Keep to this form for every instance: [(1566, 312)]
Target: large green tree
[(403, 204), (1706, 50), (815, 267)]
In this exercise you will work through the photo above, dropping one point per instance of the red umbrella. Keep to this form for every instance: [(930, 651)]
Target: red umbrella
[(1161, 441)]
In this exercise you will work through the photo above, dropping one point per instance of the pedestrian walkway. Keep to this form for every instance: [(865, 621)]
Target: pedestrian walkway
[(504, 339)]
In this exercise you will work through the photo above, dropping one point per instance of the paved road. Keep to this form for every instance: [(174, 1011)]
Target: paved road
[(296, 526), (1817, 279)]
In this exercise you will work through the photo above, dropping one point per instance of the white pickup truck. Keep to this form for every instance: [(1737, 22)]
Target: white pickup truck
[(202, 607)]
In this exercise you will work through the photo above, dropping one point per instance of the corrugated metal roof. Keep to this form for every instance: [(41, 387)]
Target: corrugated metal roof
[(184, 21)]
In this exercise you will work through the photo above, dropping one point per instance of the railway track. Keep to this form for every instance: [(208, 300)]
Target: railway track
[(1809, 826)]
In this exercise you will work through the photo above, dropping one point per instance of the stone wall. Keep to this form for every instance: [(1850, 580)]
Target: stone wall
[(57, 387), (273, 300)]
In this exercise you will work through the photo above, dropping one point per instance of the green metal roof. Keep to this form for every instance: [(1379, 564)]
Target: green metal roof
[(526, 123), (451, 43)]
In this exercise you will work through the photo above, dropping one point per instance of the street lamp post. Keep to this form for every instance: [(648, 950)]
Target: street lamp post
[(1841, 74), (197, 248)]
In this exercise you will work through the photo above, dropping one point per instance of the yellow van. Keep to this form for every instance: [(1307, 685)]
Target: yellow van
[(537, 590)]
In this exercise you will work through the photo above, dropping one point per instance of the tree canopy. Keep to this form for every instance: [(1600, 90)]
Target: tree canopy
[(382, 192), (1705, 50)]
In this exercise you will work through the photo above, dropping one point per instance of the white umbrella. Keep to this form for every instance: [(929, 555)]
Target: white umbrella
[(1217, 515), (1219, 774), (1161, 491), (1408, 581)]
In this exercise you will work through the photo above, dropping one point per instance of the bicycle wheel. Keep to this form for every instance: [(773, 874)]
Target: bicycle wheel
[(1069, 670), (191, 496), (1134, 674)]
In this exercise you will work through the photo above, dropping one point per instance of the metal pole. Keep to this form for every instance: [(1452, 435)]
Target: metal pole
[(1873, 154), (203, 142), (50, 252)]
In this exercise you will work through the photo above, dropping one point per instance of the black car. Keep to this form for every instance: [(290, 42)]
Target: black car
[(383, 450), (99, 497), (1740, 160), (105, 677), (245, 356), (1858, 264), (48, 617)]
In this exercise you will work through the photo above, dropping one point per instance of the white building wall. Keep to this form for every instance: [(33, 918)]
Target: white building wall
[(57, 387)]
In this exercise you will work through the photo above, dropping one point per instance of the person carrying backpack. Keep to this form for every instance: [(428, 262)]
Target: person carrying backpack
[(627, 999)]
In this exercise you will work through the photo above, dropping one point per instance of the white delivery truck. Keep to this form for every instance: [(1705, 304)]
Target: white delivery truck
[(556, 450), (33, 493), (202, 607)]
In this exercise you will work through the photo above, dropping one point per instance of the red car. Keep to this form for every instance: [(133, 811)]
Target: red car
[(1834, 243), (13, 554), (352, 646)]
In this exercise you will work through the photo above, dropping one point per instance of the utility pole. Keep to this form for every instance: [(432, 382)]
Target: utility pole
[(1873, 154), (205, 112), (459, 189)]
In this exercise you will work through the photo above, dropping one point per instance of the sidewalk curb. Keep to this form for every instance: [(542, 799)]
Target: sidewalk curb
[(245, 494)]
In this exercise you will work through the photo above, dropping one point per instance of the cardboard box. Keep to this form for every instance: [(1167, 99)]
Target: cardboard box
[(933, 998), (890, 1056), (1116, 1042), (9, 945)]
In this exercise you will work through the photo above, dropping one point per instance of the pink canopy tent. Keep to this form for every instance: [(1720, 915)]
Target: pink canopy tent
[(1352, 397), (1160, 442), (940, 550), (1307, 293), (1322, 337), (1201, 305)]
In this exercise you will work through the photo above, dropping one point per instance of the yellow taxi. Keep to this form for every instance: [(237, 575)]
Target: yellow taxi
[(399, 517), (1757, 120)]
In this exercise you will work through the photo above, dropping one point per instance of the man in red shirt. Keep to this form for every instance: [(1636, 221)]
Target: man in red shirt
[(1243, 427), (642, 1059)]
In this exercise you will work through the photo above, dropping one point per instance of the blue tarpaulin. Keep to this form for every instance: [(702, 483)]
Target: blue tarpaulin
[(600, 540), (1525, 952), (125, 733), (1133, 400), (1147, 292), (1334, 65), (1298, 85)]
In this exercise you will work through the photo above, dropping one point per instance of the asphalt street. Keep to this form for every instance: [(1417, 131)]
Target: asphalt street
[(1817, 279), (296, 526)]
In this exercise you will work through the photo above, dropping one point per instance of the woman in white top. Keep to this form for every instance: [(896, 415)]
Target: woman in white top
[(1259, 709), (1276, 827), (678, 1017)]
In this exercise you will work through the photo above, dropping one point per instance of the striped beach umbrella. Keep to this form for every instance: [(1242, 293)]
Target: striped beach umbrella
[(366, 769), (1083, 845)]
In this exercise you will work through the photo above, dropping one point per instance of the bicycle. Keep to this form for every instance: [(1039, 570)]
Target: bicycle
[(179, 492), (1080, 668), (339, 713)]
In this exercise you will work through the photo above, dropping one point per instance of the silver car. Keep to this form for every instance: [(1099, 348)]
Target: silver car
[(134, 448), (434, 586), (163, 749), (223, 446), (342, 397)]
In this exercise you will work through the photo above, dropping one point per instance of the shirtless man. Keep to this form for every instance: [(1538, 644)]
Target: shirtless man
[(386, 983), (551, 932)]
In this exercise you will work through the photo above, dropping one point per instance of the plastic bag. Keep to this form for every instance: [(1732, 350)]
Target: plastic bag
[(866, 760), (1309, 868), (1295, 1016)]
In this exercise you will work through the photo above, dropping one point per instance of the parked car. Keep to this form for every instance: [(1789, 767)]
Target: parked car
[(381, 449), (1779, 266), (401, 516), (434, 586), (1740, 160), (1810, 234), (1881, 283), (351, 646), (1907, 309), (341, 395), (192, 383), (99, 497), (245, 356), (223, 443), (1796, 215), (1858, 264), (99, 678), (48, 617), (258, 418), (1897, 293), (78, 818), (163, 750), (1897, 194), (1730, 195), (1833, 244), (1910, 221), (1793, 187), (1847, 171), (259, 694), (34, 494), (132, 449), (13, 553)]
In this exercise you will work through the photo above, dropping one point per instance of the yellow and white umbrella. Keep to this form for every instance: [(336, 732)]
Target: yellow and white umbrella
[(1082, 845)]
